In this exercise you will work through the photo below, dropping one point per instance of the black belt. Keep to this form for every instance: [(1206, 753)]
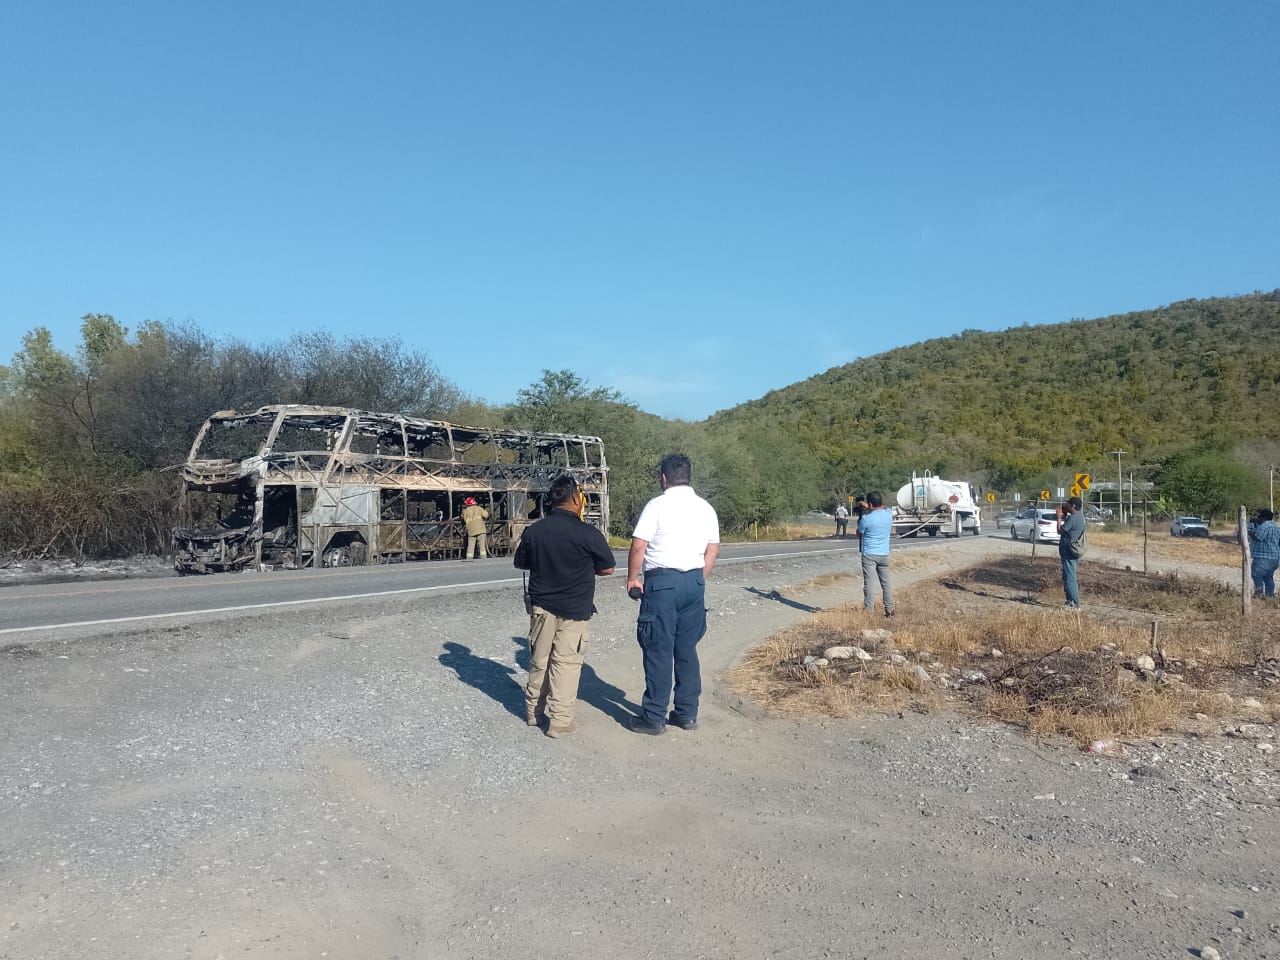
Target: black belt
[(663, 571)]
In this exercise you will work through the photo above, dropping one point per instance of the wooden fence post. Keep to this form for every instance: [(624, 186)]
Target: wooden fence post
[(1145, 510), (1246, 563)]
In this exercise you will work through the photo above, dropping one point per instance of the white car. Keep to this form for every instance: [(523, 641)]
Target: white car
[(1033, 524), (1188, 527)]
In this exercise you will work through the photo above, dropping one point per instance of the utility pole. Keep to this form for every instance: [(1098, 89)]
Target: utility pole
[(1272, 488), (1119, 482)]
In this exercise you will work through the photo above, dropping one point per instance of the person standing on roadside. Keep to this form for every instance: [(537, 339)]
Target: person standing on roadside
[(842, 520), (1071, 548), (474, 516), (564, 556), (675, 542), (875, 524), (1264, 547)]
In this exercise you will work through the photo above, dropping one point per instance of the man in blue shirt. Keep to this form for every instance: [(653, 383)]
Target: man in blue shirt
[(875, 524), (1264, 543)]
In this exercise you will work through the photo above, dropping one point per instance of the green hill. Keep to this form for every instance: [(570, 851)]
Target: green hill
[(87, 436), (1022, 400)]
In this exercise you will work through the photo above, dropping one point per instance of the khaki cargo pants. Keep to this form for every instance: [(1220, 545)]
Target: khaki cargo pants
[(475, 540), (557, 649)]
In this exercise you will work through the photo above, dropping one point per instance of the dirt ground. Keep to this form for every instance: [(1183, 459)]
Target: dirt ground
[(359, 783)]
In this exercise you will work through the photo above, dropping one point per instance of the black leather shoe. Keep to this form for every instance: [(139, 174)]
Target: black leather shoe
[(675, 721), (638, 725)]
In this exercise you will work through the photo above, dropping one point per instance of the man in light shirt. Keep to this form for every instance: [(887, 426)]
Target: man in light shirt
[(875, 526), (676, 542)]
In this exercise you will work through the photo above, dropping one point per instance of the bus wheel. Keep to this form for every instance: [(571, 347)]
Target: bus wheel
[(338, 557)]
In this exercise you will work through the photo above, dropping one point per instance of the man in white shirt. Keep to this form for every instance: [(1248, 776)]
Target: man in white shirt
[(676, 541)]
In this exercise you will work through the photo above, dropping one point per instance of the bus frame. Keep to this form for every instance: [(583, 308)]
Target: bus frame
[(293, 485)]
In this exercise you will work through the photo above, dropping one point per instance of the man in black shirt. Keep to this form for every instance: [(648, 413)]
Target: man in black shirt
[(563, 555)]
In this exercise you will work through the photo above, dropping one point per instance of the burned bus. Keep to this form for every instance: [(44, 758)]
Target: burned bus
[(289, 486)]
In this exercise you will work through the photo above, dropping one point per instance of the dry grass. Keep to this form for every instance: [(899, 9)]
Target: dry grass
[(1145, 713), (1219, 550), (1038, 581), (913, 560), (773, 672), (1052, 671), (819, 582), (797, 530)]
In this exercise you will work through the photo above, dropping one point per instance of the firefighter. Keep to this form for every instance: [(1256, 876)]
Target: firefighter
[(474, 516)]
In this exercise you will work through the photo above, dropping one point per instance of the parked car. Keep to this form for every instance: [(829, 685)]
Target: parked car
[(1188, 527), (1040, 525)]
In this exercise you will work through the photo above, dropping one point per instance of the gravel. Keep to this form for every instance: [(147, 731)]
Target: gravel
[(359, 782)]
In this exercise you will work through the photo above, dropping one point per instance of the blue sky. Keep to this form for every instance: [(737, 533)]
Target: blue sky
[(693, 203)]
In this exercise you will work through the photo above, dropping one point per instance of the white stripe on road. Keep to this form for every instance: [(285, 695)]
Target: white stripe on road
[(251, 606), (350, 596)]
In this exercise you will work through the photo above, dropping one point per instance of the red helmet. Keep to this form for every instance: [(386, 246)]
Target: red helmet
[(471, 501)]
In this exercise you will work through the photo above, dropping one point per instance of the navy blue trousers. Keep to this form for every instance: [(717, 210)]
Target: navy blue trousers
[(673, 618)]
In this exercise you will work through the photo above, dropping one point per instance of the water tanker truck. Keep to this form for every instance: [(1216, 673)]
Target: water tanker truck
[(931, 505)]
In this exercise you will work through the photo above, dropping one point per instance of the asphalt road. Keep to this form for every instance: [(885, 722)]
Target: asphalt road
[(29, 611)]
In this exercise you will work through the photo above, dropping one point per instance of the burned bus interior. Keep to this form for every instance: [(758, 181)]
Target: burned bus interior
[(292, 486)]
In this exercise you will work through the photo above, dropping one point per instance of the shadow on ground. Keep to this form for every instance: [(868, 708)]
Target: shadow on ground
[(593, 689), (1012, 579), (493, 679), (1022, 574), (505, 685), (785, 601)]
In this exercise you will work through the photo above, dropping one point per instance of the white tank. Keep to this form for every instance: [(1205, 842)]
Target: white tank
[(930, 493)]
